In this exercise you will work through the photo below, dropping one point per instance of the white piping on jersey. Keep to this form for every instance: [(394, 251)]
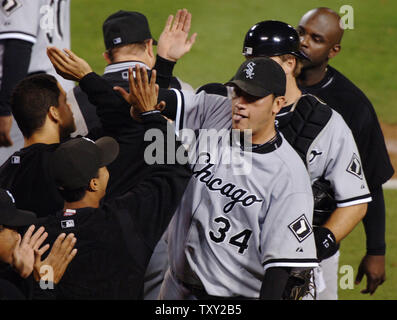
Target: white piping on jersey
[(354, 202), (317, 98), (18, 35), (120, 66), (295, 103), (291, 264), (328, 82), (178, 111)]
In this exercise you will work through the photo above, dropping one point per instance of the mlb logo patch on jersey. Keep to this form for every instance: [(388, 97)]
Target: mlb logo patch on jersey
[(301, 228), (355, 167), (65, 224), (9, 6)]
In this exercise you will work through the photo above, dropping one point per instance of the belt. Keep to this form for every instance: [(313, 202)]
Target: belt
[(201, 294)]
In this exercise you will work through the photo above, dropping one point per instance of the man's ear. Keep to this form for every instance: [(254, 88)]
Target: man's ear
[(289, 65), (333, 52), (94, 185), (107, 57), (53, 114), (149, 48), (278, 103)]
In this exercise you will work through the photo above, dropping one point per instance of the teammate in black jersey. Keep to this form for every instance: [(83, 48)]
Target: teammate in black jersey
[(321, 35)]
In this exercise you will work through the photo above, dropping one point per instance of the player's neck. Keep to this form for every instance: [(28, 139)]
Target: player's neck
[(264, 135), (46, 135), (89, 200), (292, 92), (312, 76), (129, 57)]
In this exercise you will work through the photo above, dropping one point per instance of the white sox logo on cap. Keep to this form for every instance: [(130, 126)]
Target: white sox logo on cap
[(249, 70)]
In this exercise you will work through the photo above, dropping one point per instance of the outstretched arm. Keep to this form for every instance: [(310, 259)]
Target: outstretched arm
[(173, 44)]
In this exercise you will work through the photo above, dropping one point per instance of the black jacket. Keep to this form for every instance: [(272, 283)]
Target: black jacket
[(116, 240)]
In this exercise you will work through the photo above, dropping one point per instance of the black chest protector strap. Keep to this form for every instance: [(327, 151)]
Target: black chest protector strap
[(305, 123)]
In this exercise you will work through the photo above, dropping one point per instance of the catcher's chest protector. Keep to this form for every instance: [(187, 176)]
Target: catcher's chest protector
[(304, 123)]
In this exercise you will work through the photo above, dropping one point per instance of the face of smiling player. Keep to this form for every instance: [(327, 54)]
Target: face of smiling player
[(249, 112)]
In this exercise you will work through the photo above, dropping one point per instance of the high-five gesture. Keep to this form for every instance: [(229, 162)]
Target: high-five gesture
[(174, 42), (23, 254), (67, 64), (143, 94)]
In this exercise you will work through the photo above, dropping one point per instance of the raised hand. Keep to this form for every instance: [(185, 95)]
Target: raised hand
[(68, 65), (174, 42), (23, 254), (62, 253), (143, 94)]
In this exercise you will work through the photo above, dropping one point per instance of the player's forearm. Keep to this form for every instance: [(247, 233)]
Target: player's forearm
[(274, 283), (154, 200), (374, 224), (164, 70), (16, 59), (112, 109), (343, 220)]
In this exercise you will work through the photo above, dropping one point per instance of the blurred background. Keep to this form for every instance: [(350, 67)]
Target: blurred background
[(368, 58)]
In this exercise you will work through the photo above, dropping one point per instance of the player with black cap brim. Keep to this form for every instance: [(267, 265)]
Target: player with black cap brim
[(267, 147), (21, 255)]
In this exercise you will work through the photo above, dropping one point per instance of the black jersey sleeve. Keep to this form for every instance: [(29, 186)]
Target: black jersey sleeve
[(16, 59), (374, 224), (164, 70), (152, 202), (274, 283), (112, 109)]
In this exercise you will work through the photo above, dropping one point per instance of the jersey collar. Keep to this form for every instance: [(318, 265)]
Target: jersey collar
[(266, 147), (121, 66)]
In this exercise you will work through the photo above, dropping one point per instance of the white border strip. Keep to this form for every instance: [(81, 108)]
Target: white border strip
[(178, 111), (291, 264), (354, 202), (121, 66), (16, 35)]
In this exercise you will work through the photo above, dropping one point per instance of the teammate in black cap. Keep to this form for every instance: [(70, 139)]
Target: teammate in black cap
[(116, 237)]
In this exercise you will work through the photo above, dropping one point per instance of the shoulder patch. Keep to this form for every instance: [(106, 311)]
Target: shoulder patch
[(301, 228), (355, 167), (10, 6)]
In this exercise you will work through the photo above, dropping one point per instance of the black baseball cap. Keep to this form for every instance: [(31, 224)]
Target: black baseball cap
[(75, 162), (125, 27), (260, 77), (10, 216)]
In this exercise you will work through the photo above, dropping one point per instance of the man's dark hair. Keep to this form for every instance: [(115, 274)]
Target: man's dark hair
[(76, 194), (73, 195), (31, 101)]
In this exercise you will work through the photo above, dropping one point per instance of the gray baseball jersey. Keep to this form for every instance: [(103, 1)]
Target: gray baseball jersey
[(230, 227), (41, 22), (333, 155)]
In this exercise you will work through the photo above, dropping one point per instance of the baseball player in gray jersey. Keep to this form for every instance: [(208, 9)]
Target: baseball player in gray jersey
[(324, 142), (234, 233), (27, 28), (41, 22)]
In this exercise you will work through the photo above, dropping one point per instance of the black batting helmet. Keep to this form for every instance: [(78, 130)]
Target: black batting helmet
[(272, 38)]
